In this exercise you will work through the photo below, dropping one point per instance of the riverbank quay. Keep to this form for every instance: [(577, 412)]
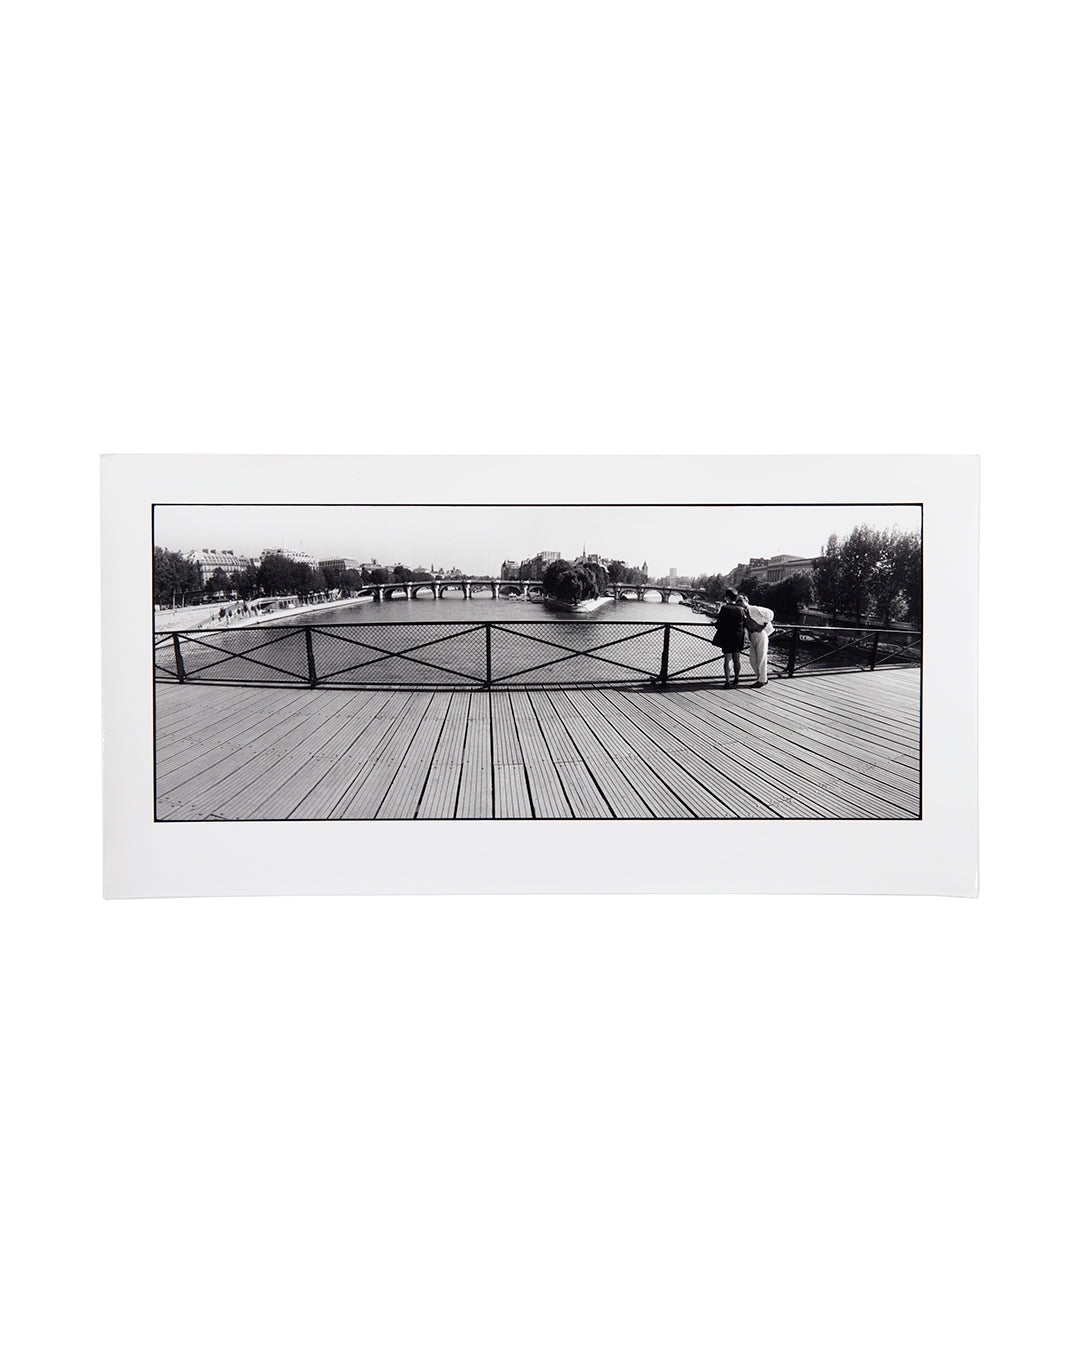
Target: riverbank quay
[(840, 747), (196, 617)]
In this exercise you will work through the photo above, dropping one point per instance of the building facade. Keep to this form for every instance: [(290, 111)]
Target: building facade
[(211, 560), (335, 567), (771, 570), (292, 554), (533, 569)]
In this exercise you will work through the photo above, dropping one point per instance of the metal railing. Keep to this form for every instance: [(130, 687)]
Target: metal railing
[(518, 653)]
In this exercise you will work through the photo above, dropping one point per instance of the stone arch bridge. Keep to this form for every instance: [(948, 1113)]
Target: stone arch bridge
[(499, 590)]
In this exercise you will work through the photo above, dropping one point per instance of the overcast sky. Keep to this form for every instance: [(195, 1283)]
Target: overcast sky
[(691, 539)]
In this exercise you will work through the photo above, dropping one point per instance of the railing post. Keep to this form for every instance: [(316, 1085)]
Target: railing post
[(313, 679), (664, 654), (179, 658), (487, 634), (791, 654), (873, 651)]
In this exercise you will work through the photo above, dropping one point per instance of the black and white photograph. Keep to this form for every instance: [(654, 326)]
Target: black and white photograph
[(586, 662), (541, 814)]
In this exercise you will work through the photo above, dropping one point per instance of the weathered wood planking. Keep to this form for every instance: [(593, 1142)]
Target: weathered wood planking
[(840, 746), (548, 798), (476, 796), (439, 799)]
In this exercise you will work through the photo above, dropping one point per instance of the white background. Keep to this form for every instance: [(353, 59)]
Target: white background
[(492, 1121)]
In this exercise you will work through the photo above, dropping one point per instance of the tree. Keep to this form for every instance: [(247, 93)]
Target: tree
[(828, 583), (617, 571), (246, 583), (898, 582), (174, 576), (574, 581), (218, 581), (871, 572), (860, 556), (281, 576), (909, 570), (788, 598)]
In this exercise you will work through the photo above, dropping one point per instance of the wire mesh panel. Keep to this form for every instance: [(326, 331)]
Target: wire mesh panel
[(691, 655), (899, 649), (575, 653), (516, 653), (164, 656), (818, 651), (265, 655), (400, 654)]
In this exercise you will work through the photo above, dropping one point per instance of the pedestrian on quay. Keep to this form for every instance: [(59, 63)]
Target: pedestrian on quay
[(759, 624), (731, 635)]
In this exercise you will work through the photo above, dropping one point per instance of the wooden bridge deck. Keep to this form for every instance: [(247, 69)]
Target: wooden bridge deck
[(842, 746)]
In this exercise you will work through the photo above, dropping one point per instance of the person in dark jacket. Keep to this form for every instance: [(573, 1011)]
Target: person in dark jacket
[(731, 635)]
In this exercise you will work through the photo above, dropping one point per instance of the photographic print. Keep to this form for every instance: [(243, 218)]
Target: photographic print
[(584, 662)]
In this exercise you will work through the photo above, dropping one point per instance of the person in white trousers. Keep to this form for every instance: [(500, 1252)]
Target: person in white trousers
[(758, 627)]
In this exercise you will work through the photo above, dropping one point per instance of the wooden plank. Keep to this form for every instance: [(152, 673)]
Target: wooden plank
[(697, 799), (201, 736), (215, 724), (189, 706), (891, 720), (218, 785), (181, 702), (623, 801), (860, 749), (584, 798), (548, 798), (230, 753), (366, 792), (661, 801), (846, 721), (860, 782), (380, 718), (741, 786), (890, 723), (476, 796), (439, 799), (858, 755), (741, 795), (859, 732), (287, 783), (403, 799), (510, 785), (843, 746), (774, 775)]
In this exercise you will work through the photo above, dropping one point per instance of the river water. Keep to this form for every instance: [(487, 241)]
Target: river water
[(514, 653), (455, 608)]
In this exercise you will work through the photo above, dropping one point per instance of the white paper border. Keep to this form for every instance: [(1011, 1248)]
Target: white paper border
[(935, 855)]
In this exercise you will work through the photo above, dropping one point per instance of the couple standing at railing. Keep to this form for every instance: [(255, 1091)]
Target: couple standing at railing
[(738, 624)]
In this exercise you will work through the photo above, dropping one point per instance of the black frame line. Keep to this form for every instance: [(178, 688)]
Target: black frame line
[(473, 689)]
